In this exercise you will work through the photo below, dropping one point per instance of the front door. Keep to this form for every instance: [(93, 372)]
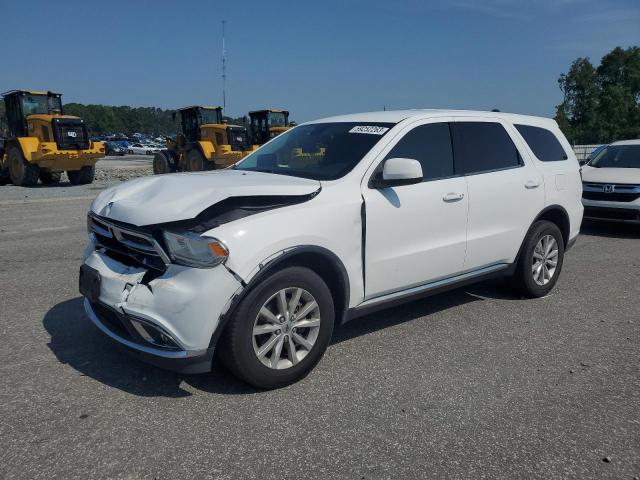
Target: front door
[(416, 233)]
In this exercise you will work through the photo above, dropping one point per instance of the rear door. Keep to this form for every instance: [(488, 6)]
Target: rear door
[(416, 233), (506, 191)]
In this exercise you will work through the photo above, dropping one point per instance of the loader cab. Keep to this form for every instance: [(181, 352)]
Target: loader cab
[(266, 124), (192, 118), (40, 115), (20, 104)]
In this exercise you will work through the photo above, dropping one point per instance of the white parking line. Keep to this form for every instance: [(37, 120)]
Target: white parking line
[(50, 229)]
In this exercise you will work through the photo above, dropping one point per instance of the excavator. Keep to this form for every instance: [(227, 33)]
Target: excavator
[(41, 142)]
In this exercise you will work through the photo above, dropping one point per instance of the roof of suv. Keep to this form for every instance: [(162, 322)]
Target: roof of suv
[(397, 116)]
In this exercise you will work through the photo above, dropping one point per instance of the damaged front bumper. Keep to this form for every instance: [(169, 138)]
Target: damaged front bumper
[(169, 320)]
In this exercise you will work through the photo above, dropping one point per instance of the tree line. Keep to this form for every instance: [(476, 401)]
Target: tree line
[(601, 104)]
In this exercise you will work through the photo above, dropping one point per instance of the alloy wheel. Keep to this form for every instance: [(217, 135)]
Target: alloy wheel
[(545, 260), (286, 328)]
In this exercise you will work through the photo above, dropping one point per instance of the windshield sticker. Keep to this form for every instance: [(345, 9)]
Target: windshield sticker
[(370, 129)]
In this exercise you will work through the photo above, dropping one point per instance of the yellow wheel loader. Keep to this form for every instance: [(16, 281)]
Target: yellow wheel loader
[(205, 142), (41, 142), (266, 124)]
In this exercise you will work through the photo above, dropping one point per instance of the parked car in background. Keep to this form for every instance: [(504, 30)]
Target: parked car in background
[(141, 149), (327, 222), (611, 183), (114, 148)]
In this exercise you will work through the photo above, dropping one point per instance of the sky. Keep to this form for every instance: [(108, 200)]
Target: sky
[(314, 58)]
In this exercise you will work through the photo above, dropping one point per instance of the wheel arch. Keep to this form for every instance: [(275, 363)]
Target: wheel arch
[(319, 259), (557, 214)]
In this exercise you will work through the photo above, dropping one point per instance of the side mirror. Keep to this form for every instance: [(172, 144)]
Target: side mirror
[(397, 172)]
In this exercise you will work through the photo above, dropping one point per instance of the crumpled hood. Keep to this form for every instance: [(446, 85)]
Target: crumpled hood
[(611, 175), (182, 196)]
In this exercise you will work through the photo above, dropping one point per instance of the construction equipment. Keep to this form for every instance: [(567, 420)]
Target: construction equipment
[(41, 142), (266, 124), (205, 142)]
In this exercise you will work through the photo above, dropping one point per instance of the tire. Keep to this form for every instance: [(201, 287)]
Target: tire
[(49, 178), (533, 282), (83, 176), (21, 172), (238, 347), (161, 164), (195, 161)]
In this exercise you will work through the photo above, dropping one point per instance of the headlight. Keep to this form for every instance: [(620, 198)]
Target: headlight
[(195, 251)]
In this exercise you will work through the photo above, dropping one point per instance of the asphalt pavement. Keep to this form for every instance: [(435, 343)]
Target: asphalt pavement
[(474, 383)]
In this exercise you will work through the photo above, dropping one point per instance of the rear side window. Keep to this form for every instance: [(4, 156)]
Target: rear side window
[(543, 143), (430, 144), (482, 147)]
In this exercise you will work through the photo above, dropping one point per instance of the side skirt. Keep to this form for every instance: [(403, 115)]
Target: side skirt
[(433, 288)]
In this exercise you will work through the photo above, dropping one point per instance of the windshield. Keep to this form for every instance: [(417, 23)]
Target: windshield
[(210, 116), (277, 119), (320, 151), (40, 104), (618, 156)]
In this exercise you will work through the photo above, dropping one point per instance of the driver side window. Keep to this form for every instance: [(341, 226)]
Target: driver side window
[(430, 144)]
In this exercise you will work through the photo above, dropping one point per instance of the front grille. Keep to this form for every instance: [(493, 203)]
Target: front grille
[(70, 133), (611, 197), (238, 138), (610, 192), (612, 213), (127, 245)]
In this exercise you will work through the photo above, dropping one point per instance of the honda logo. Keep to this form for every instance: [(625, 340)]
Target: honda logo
[(608, 188)]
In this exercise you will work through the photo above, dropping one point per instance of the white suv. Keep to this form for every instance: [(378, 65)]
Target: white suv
[(611, 183), (329, 221)]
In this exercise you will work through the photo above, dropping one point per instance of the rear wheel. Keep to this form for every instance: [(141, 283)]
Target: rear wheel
[(280, 330), (21, 172), (49, 178), (196, 161), (83, 176), (540, 260)]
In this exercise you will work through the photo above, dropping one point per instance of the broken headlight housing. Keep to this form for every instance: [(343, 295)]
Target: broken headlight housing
[(193, 250)]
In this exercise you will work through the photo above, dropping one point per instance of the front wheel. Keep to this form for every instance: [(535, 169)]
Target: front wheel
[(280, 330), (83, 176), (540, 260), (21, 172)]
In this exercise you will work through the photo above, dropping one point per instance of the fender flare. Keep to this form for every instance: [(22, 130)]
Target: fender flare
[(542, 212), (28, 146), (278, 260)]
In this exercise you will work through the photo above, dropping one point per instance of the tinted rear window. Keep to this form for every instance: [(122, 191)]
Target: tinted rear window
[(543, 143), (483, 146)]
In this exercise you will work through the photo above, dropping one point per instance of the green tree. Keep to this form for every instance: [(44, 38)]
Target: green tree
[(601, 104)]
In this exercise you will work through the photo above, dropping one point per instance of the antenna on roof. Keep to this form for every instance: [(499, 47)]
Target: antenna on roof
[(224, 72)]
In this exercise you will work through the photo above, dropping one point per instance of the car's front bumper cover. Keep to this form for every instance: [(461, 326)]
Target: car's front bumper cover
[(182, 307), (182, 361)]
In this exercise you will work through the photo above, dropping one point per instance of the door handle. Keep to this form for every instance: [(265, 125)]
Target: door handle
[(453, 197), (532, 184)]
